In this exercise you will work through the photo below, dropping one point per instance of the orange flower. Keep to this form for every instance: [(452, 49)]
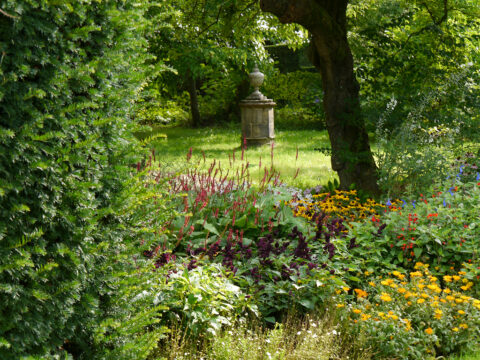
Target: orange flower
[(429, 331)]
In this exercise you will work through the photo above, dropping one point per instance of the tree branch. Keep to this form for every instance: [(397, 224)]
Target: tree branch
[(213, 23), (436, 22), (8, 15)]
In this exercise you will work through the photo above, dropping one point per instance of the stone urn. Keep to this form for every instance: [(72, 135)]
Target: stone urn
[(257, 113)]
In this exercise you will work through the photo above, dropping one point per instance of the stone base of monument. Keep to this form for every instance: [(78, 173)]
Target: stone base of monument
[(257, 121)]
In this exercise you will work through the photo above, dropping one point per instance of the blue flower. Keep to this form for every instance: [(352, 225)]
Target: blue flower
[(413, 204), (450, 191), (444, 203), (388, 203), (478, 176), (404, 203), (461, 169)]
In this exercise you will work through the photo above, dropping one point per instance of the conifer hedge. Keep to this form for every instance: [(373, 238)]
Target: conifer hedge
[(69, 72)]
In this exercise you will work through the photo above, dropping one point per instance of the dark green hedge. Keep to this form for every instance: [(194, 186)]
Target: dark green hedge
[(69, 71)]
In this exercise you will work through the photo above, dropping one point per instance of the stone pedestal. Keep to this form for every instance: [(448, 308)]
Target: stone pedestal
[(257, 121), (257, 114)]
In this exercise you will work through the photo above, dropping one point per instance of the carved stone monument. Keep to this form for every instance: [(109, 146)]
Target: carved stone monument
[(257, 114)]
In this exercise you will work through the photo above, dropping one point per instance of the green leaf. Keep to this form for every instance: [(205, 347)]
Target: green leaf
[(270, 319), (211, 228), (400, 256), (307, 303)]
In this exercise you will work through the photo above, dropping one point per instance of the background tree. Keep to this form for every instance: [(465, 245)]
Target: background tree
[(211, 46), (406, 38), (406, 50)]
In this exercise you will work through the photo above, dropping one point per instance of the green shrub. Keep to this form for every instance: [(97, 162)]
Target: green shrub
[(69, 73), (439, 228), (200, 297)]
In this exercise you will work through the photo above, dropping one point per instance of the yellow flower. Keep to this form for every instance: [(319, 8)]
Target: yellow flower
[(420, 301), (425, 296), (340, 305), (447, 291), (463, 326), (458, 301), (450, 298), (401, 290), (438, 314), (371, 283), (447, 278), (357, 311), (385, 297), (461, 312), (416, 273), (365, 317), (360, 293), (429, 331), (455, 329), (398, 275), (456, 277)]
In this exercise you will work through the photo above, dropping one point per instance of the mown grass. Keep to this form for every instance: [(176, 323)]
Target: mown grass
[(220, 143)]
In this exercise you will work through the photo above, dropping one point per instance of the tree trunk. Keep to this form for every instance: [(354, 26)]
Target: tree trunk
[(352, 158), (194, 108)]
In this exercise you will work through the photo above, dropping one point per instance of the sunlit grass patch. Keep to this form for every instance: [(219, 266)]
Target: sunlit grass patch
[(294, 154)]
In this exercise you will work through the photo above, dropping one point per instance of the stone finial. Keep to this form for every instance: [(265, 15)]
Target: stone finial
[(256, 80)]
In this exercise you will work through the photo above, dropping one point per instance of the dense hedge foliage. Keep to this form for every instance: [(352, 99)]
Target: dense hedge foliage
[(69, 71)]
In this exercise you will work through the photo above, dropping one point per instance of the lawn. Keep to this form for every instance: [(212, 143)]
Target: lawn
[(221, 143)]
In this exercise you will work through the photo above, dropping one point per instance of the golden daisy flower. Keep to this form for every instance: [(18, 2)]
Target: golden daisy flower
[(429, 331), (385, 297), (365, 317)]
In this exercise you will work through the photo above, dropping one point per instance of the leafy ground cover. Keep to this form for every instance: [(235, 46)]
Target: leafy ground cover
[(398, 278)]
